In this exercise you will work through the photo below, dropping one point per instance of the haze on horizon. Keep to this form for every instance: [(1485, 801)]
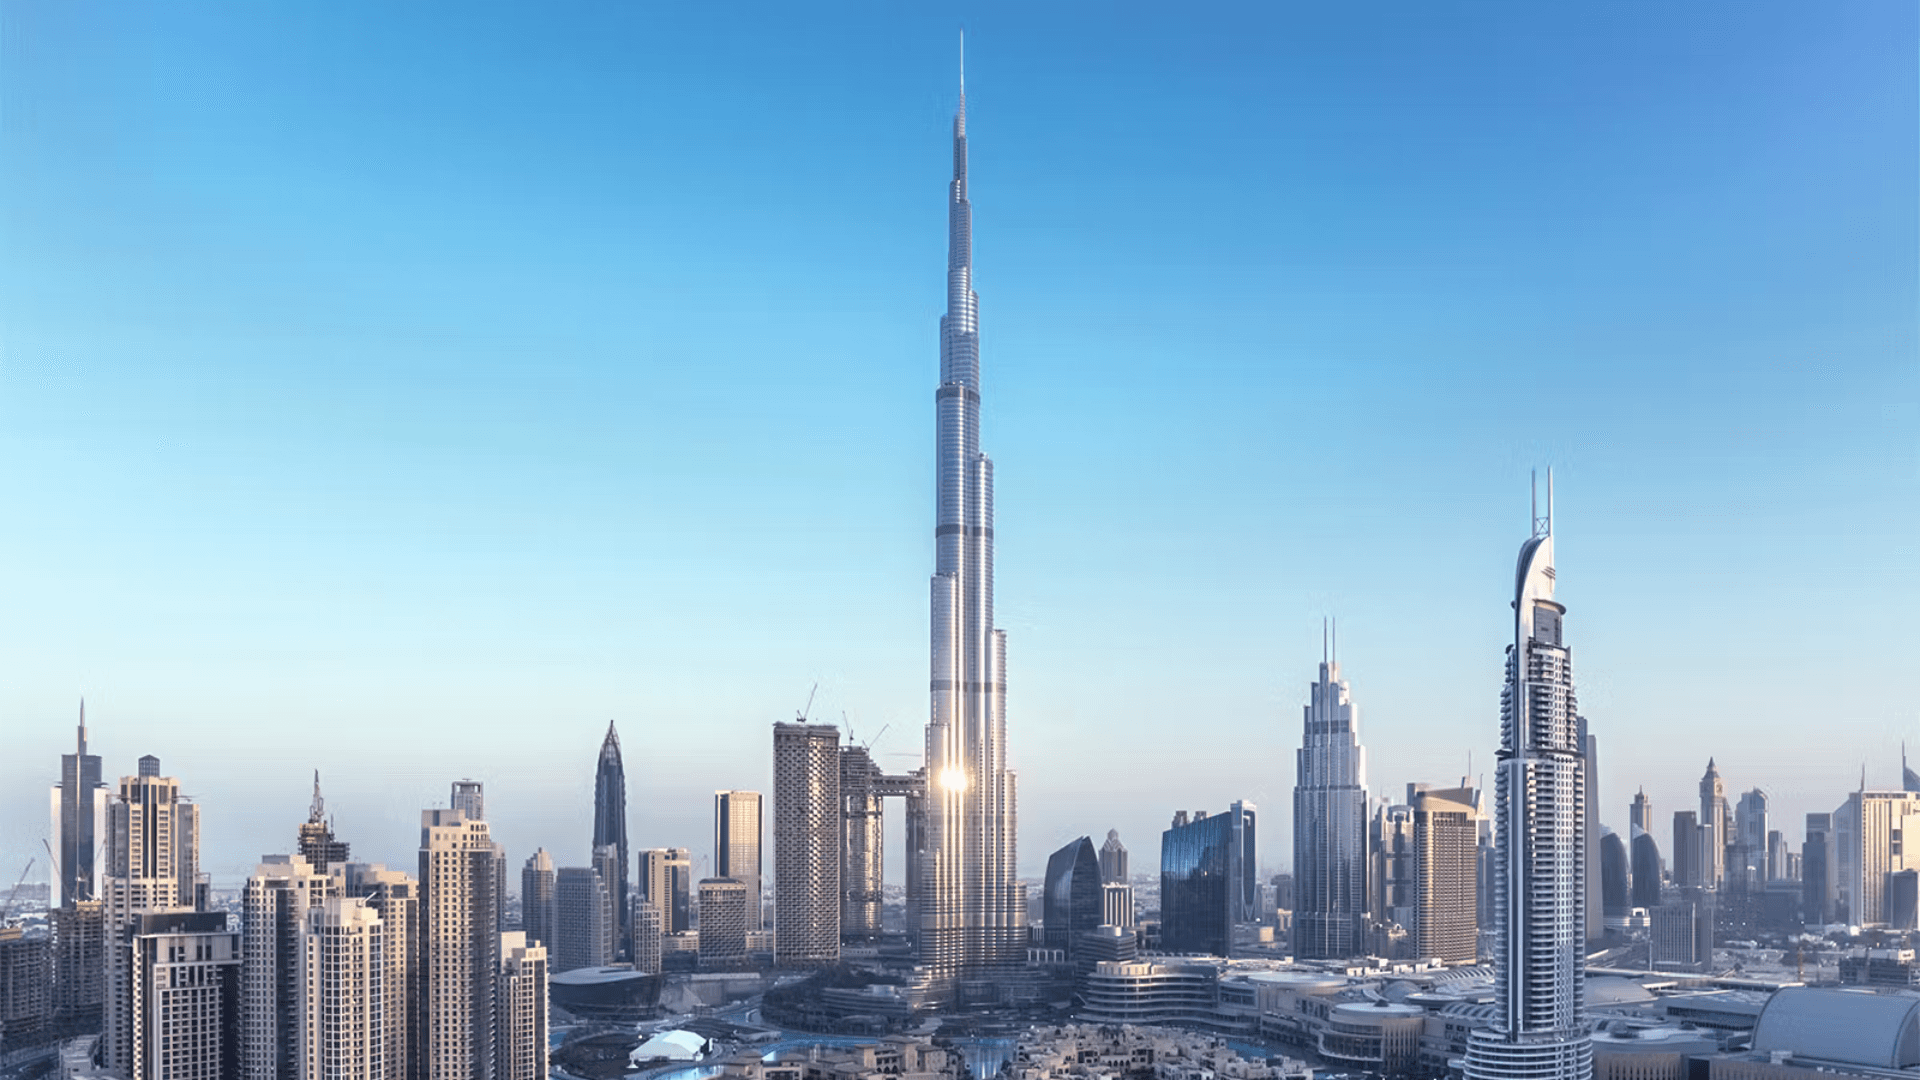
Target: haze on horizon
[(405, 395)]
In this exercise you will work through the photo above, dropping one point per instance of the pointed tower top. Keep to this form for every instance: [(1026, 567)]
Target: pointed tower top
[(318, 810), (963, 61)]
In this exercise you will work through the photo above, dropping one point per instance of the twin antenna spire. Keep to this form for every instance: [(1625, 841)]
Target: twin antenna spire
[(1542, 526)]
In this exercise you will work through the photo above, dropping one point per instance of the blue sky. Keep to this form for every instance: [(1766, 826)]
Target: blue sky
[(405, 392)]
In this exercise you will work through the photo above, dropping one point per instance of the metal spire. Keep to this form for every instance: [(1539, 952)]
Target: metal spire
[(318, 811)]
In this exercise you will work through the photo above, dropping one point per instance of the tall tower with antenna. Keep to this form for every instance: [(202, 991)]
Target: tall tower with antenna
[(1540, 823), (1330, 819), (972, 909)]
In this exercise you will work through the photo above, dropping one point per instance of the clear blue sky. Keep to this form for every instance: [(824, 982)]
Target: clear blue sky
[(404, 391)]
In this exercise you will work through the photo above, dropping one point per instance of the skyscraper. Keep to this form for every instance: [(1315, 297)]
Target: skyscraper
[(274, 905), (1071, 896), (341, 1028), (521, 1011), (1540, 810), (667, 874), (152, 866), (1713, 827), (459, 947), (972, 908), (736, 846), (1818, 865), (1644, 853), (723, 923), (470, 798), (1208, 879), (1686, 848), (1113, 858), (862, 845), (537, 912), (1750, 839), (806, 843), (316, 841), (584, 930), (79, 822), (395, 897), (610, 828), (1446, 837), (178, 1015), (1330, 823), (1640, 814)]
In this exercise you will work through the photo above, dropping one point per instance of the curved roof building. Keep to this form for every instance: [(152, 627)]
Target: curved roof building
[(1844, 1027)]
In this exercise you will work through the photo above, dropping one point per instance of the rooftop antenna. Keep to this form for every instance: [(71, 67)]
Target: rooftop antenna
[(1326, 657)]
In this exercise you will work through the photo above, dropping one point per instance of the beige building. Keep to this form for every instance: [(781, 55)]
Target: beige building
[(459, 947), (522, 1009), (806, 843), (152, 865), (342, 1029), (1446, 838), (395, 896), (274, 905), (736, 845)]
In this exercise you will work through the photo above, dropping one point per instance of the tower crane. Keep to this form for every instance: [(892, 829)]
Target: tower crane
[(7, 908)]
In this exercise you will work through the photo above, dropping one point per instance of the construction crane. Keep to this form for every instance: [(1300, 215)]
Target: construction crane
[(7, 908), (801, 716)]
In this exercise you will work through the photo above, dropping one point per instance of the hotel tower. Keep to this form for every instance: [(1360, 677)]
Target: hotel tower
[(972, 909), (1540, 822)]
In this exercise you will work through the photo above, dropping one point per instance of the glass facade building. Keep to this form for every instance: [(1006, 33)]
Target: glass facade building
[(1072, 896), (1208, 880)]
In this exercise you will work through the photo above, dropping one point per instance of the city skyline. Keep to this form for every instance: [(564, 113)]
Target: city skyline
[(375, 644)]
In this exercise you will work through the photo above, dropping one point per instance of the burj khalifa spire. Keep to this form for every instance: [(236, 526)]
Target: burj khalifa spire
[(972, 908)]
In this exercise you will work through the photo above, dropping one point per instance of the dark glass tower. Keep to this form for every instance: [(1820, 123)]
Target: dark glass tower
[(78, 822), (610, 828), (1208, 879), (1071, 897)]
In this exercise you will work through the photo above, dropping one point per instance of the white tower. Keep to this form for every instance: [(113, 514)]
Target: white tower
[(1540, 821)]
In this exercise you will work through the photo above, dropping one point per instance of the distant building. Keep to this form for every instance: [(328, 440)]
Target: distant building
[(79, 823), (736, 845), (275, 902), (1686, 848), (1640, 813), (1645, 858), (1749, 846), (1817, 871), (152, 856), (26, 982), (583, 908), (1616, 877), (339, 1024), (723, 923), (1715, 828), (1207, 879), (862, 845), (608, 863), (459, 947), (1116, 905), (667, 874), (1446, 829), (1071, 896), (1113, 858), (1681, 936), (1390, 882), (1880, 967), (1870, 828), (646, 937), (316, 842), (610, 830), (79, 964), (806, 843), (538, 915), (1330, 822)]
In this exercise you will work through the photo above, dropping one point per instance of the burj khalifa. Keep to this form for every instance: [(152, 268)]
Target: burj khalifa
[(972, 909)]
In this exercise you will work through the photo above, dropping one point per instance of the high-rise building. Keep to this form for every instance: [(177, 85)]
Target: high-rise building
[(1446, 837), (177, 1015), (1113, 858), (521, 1015), (1640, 814), (459, 947), (723, 923), (667, 875), (79, 823), (395, 897), (152, 865), (1686, 848), (1616, 877), (1116, 904), (1645, 858), (646, 936), (1817, 871), (584, 909), (1871, 828), (972, 907), (26, 982), (736, 845), (1540, 813), (607, 863), (1071, 896), (1390, 867), (317, 844), (862, 845), (1680, 933), (274, 905), (537, 911), (1750, 829), (469, 797), (1714, 831), (610, 829), (1330, 823), (806, 843), (340, 1030), (1777, 855), (1208, 879), (1595, 905), (79, 964)]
